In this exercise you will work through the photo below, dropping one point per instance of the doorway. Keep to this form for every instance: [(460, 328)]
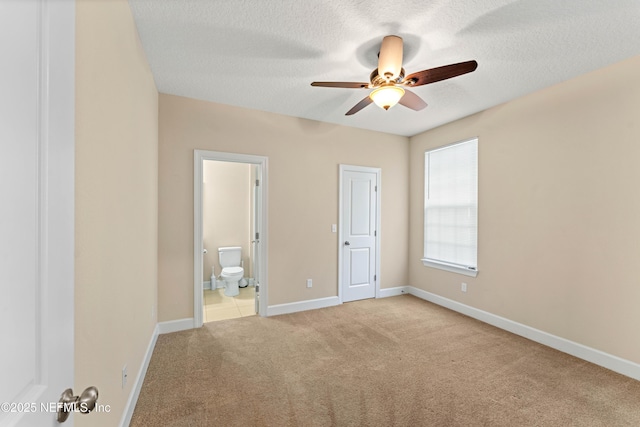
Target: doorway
[(359, 240), (239, 224)]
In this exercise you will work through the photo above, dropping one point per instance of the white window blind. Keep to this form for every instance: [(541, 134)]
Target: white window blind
[(451, 207)]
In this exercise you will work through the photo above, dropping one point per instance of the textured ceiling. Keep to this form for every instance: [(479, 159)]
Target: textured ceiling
[(263, 54)]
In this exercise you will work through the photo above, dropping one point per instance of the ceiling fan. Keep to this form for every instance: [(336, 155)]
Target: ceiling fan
[(388, 80)]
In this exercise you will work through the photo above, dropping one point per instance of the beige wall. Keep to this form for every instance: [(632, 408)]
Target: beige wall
[(558, 236), (116, 205), (226, 212), (303, 196), (559, 216)]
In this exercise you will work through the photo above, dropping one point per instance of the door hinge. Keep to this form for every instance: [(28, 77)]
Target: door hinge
[(375, 233), (376, 188), (257, 236), (375, 277), (257, 183)]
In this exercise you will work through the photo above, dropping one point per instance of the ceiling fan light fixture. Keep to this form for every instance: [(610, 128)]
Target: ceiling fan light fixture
[(388, 79), (387, 96)]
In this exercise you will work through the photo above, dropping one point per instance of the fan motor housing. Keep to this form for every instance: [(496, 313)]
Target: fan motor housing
[(378, 80)]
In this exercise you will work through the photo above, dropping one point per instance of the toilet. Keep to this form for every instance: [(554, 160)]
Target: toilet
[(232, 272)]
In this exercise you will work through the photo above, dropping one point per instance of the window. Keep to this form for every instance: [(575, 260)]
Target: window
[(451, 208)]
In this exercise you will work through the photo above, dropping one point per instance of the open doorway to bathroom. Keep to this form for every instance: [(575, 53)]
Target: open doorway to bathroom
[(227, 239), (229, 219)]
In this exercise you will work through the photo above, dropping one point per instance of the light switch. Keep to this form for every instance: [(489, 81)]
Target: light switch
[(334, 228)]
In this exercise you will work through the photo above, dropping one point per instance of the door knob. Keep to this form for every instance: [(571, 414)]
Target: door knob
[(347, 243), (84, 403)]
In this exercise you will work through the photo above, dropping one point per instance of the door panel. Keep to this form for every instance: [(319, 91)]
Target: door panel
[(20, 203), (255, 230), (36, 214), (358, 225), (360, 266)]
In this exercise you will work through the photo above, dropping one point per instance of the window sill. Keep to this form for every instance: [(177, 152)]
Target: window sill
[(449, 267)]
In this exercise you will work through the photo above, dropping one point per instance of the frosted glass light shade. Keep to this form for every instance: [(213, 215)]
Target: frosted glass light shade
[(390, 60), (387, 96)]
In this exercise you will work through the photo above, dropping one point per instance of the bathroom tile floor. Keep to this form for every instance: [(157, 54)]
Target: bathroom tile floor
[(218, 306)]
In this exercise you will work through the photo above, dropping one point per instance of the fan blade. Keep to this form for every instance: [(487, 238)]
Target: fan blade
[(346, 85), (413, 101), (440, 73), (359, 106), (390, 57)]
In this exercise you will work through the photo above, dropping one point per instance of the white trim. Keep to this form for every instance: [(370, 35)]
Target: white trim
[(137, 386), (609, 361), (160, 328), (393, 292), (176, 325), (199, 156), (294, 307), (378, 173), (206, 285), (449, 267)]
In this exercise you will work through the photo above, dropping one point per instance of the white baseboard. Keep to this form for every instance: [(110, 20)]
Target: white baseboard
[(293, 307), (161, 328), (206, 285), (175, 326), (137, 386), (393, 292), (609, 361)]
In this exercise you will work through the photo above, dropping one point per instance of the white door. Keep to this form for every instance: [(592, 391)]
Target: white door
[(37, 46), (359, 229), (255, 242)]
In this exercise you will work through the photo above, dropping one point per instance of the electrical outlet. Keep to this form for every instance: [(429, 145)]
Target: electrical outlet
[(309, 283), (334, 228), (463, 287), (124, 376)]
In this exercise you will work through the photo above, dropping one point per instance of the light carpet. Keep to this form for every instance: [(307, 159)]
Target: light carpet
[(397, 361)]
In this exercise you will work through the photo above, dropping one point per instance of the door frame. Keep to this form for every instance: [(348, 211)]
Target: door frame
[(378, 171), (200, 156)]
